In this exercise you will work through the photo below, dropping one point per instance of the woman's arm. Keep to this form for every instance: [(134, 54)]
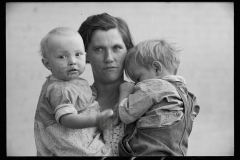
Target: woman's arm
[(76, 121)]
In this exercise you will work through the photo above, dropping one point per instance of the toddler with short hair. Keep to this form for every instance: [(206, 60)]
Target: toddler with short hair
[(157, 117), (67, 118)]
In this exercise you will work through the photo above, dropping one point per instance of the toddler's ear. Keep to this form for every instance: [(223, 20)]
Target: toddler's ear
[(46, 63), (158, 66)]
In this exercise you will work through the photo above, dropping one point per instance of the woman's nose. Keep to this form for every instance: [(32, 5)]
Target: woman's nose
[(109, 56)]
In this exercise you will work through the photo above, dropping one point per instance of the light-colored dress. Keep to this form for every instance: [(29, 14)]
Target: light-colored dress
[(113, 134), (53, 139)]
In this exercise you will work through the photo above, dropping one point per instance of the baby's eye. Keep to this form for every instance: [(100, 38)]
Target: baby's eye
[(62, 57), (79, 54)]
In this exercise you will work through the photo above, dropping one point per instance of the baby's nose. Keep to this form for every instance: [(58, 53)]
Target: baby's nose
[(72, 61)]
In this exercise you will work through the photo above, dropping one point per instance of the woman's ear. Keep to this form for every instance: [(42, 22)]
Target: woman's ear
[(158, 66), (46, 63)]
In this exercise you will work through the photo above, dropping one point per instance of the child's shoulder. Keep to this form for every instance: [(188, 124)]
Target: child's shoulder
[(154, 85), (72, 85), (56, 86), (152, 82), (56, 83), (81, 81)]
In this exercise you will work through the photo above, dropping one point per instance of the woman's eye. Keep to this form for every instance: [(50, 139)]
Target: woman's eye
[(117, 48), (98, 49)]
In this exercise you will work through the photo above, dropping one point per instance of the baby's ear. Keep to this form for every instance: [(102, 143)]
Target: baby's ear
[(158, 66), (46, 63)]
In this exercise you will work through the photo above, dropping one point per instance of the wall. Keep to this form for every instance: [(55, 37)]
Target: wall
[(203, 30)]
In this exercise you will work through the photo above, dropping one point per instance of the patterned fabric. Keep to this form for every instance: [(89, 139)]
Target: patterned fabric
[(53, 139), (57, 140), (112, 135)]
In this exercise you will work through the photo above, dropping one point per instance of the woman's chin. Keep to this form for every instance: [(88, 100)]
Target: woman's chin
[(112, 77)]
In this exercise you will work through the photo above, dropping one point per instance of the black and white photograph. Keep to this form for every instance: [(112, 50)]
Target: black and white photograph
[(119, 79)]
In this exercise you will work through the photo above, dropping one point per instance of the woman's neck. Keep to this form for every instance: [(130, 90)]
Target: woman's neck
[(107, 94)]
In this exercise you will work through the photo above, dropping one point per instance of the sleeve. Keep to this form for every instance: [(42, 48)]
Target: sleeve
[(61, 100), (161, 97), (133, 107), (123, 112)]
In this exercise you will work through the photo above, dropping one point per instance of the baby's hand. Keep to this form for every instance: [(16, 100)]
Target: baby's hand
[(103, 117), (127, 87)]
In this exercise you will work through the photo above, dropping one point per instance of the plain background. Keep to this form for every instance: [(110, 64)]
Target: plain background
[(204, 30)]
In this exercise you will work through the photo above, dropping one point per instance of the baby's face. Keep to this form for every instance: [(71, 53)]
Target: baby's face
[(66, 56), (140, 73)]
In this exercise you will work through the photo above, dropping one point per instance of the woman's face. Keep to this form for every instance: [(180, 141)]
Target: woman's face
[(106, 53)]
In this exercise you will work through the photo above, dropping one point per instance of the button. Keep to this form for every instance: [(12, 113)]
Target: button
[(105, 151)]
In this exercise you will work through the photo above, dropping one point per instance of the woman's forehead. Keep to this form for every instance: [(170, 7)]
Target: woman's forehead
[(102, 37)]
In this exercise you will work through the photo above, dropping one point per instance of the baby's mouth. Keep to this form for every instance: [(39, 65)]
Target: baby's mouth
[(72, 70)]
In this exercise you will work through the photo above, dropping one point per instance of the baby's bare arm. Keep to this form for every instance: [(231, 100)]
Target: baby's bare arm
[(76, 121)]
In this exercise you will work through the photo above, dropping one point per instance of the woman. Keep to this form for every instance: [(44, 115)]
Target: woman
[(107, 40)]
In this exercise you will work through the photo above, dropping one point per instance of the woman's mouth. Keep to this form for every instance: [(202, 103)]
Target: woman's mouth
[(109, 68)]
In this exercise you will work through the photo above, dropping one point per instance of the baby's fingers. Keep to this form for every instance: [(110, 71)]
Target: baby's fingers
[(107, 113)]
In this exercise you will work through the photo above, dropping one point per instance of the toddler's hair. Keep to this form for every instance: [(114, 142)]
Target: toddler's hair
[(146, 52), (55, 31)]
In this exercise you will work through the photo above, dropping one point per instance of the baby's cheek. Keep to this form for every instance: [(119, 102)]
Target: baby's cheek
[(60, 70)]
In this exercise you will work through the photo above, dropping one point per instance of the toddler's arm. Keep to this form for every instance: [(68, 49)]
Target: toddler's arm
[(126, 89), (136, 104), (76, 121)]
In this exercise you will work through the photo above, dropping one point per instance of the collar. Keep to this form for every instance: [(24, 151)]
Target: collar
[(94, 90), (174, 78)]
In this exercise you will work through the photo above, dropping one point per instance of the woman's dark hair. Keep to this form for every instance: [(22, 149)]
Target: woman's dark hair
[(104, 22)]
